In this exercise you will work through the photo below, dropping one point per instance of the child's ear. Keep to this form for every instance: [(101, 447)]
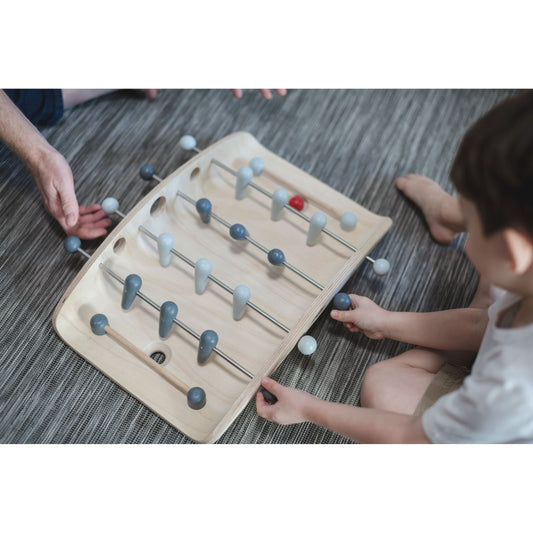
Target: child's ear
[(520, 248)]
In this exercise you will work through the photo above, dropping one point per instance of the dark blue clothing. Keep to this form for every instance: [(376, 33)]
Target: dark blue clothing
[(43, 107)]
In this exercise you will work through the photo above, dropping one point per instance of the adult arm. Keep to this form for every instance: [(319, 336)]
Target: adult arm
[(51, 173)]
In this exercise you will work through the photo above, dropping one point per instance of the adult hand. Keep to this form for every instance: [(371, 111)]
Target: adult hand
[(266, 93), (53, 178)]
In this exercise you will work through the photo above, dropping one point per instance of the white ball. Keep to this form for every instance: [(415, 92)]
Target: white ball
[(257, 165), (348, 221), (110, 205), (381, 267), (188, 142), (307, 345)]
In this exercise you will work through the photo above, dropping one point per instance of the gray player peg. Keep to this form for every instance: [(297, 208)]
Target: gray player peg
[(244, 177), (132, 285), (167, 314), (165, 242), (208, 341), (202, 270), (317, 224), (241, 295), (279, 198)]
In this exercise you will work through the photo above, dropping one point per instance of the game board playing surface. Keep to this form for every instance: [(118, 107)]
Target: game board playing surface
[(286, 298)]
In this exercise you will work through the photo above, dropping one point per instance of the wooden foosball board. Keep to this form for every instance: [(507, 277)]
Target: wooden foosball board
[(254, 342)]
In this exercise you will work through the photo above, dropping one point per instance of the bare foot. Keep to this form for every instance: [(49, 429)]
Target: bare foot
[(441, 211)]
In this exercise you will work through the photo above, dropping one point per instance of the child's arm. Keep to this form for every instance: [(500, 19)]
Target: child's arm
[(453, 329), (357, 423)]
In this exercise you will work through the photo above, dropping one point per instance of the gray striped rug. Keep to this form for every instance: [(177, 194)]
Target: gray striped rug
[(357, 141)]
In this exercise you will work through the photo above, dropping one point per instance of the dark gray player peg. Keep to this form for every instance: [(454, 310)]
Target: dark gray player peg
[(208, 341), (132, 285), (167, 314)]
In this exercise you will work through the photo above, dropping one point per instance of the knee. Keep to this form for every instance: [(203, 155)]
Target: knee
[(373, 384)]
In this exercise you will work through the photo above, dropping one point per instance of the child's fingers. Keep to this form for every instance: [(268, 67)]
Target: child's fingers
[(351, 326), (263, 408), (271, 386), (354, 299), (260, 402), (342, 316)]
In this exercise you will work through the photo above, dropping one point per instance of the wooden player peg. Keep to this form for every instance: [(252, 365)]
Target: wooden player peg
[(208, 342), (167, 314), (241, 297), (132, 285), (244, 177), (202, 271), (317, 224), (196, 397), (280, 197), (165, 242)]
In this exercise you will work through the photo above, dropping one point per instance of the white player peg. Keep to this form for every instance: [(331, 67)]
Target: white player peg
[(241, 296), (280, 197), (165, 242), (317, 224), (202, 270), (244, 177)]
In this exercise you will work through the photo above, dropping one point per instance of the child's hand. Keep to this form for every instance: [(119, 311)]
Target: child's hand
[(266, 93), (364, 316), (290, 408)]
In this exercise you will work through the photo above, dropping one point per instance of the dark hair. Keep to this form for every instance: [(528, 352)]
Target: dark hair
[(493, 167)]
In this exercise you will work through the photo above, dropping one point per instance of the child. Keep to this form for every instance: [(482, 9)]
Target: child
[(423, 395)]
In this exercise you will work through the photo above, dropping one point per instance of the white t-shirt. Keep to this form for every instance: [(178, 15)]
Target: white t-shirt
[(495, 402)]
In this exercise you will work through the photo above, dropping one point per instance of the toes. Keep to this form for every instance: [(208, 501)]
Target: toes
[(401, 182)]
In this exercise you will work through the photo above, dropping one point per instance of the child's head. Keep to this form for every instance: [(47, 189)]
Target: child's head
[(493, 172), (493, 168)]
